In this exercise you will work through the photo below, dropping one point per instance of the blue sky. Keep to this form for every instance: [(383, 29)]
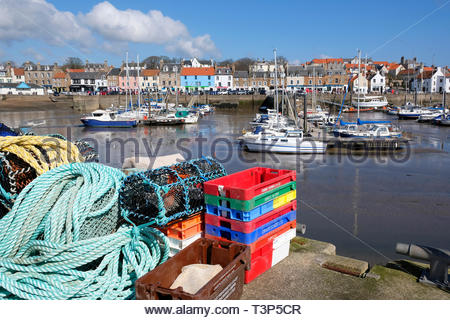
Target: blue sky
[(300, 30)]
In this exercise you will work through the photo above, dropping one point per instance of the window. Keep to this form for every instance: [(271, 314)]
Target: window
[(145, 78), (292, 81), (220, 84), (336, 80), (310, 81), (381, 80), (209, 77), (265, 83), (229, 78), (48, 75), (185, 77), (164, 82), (195, 77), (93, 81), (259, 83), (271, 81), (254, 83), (320, 81), (298, 81), (229, 84), (35, 75)]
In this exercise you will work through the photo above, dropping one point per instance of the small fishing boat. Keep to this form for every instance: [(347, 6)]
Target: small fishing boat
[(289, 142), (442, 120), (429, 115), (370, 102), (410, 112), (108, 119)]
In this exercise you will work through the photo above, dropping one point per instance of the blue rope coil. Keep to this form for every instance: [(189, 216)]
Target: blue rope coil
[(64, 239)]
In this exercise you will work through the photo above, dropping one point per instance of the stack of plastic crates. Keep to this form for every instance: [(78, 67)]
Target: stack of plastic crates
[(255, 207), (184, 231)]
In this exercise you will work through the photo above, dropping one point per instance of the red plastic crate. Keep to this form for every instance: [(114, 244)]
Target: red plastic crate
[(264, 240), (261, 261), (247, 184), (249, 226)]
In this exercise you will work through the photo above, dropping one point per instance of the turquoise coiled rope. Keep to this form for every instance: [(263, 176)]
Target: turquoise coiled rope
[(49, 242)]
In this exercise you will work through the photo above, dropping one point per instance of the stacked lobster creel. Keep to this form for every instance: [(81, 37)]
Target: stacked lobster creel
[(171, 198), (156, 197), (23, 158)]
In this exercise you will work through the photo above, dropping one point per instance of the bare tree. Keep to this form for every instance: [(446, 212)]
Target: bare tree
[(73, 63)]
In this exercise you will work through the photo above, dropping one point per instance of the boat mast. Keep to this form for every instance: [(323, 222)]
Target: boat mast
[(359, 77), (176, 89), (127, 83), (276, 83), (139, 85)]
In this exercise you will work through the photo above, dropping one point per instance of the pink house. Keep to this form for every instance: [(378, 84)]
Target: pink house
[(128, 84)]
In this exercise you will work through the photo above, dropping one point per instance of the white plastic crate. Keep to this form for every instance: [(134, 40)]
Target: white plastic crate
[(178, 245), (281, 246)]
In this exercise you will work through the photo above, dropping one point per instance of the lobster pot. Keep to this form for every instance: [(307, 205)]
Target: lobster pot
[(15, 175), (156, 197)]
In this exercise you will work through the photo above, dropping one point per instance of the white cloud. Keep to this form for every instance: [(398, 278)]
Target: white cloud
[(38, 19), (324, 56), (33, 54), (151, 27)]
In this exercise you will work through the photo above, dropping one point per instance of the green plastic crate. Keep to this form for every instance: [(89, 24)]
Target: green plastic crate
[(247, 205)]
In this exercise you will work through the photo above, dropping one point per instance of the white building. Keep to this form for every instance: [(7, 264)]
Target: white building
[(5, 75), (18, 75), (377, 82), (149, 80), (447, 82), (430, 81), (197, 63), (21, 89), (360, 84), (88, 81), (265, 66), (223, 78)]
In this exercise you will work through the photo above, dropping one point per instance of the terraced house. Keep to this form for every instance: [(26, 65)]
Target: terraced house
[(197, 79), (41, 75), (169, 75)]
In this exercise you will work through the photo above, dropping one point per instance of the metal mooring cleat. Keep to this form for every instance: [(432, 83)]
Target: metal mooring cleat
[(439, 259)]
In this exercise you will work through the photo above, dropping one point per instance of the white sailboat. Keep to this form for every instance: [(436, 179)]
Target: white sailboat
[(277, 140)]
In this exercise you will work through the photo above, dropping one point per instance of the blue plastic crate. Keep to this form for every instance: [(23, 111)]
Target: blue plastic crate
[(238, 214), (248, 238)]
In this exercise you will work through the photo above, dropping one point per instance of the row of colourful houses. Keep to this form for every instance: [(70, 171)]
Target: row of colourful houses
[(326, 75)]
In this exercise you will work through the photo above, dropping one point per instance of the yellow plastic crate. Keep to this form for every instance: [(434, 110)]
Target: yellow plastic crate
[(284, 199)]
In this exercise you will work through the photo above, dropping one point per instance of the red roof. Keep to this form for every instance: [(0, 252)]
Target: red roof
[(407, 72), (59, 75), (328, 60), (150, 72), (355, 66), (209, 71), (425, 75), (19, 72), (428, 68), (75, 70), (393, 66)]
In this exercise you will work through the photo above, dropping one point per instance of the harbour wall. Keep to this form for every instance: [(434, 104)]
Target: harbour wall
[(85, 104)]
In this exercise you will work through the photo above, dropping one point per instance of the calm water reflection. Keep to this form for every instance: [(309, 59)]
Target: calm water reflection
[(364, 208)]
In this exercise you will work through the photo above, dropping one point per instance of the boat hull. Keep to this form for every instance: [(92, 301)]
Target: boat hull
[(301, 147), (109, 124)]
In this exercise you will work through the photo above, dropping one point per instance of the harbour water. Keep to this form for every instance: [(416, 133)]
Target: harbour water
[(362, 203)]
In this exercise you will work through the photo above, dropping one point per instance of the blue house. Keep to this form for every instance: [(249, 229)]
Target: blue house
[(196, 79)]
